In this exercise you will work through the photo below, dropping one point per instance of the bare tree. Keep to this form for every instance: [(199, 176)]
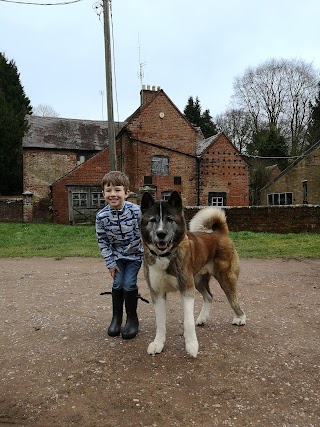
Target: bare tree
[(237, 125), (45, 110), (278, 93)]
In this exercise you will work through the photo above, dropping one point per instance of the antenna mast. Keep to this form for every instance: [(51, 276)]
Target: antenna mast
[(141, 74)]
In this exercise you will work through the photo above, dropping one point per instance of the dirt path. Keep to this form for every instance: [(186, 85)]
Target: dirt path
[(59, 367)]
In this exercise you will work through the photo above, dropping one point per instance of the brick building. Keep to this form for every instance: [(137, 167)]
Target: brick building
[(160, 151), (224, 174), (52, 148), (298, 183)]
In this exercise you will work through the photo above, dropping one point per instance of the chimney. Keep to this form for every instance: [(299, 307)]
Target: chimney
[(147, 94)]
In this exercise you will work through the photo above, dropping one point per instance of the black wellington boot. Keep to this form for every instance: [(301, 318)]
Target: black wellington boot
[(117, 313), (132, 324)]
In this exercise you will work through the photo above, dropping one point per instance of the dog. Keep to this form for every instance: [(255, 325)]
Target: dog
[(179, 260)]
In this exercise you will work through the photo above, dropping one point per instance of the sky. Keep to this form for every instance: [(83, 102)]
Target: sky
[(188, 48)]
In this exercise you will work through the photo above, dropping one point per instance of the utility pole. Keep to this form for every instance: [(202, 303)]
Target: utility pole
[(107, 48)]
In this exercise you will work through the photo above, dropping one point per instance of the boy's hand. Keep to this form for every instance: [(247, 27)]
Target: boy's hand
[(113, 270)]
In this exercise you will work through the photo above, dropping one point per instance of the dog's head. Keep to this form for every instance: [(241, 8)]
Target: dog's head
[(162, 223)]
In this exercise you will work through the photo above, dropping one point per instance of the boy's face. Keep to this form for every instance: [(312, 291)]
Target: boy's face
[(115, 195)]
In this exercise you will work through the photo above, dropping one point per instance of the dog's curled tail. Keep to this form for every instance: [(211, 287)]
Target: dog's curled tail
[(209, 219)]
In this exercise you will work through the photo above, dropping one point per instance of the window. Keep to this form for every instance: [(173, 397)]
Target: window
[(160, 165), (84, 201), (217, 198), (80, 159), (97, 200), (80, 199), (305, 192), (275, 199), (165, 195), (147, 180), (177, 180), (217, 201)]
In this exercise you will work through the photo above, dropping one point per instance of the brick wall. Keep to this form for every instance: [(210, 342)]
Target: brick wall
[(42, 168), (138, 164), (273, 219), (224, 170), (11, 209), (163, 124), (160, 129), (89, 173)]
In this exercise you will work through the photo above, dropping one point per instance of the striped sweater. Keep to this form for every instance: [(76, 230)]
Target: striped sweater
[(118, 233)]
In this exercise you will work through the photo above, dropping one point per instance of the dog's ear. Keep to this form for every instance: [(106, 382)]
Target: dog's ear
[(146, 202), (175, 200)]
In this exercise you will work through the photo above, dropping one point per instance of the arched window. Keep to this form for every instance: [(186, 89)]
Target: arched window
[(160, 165)]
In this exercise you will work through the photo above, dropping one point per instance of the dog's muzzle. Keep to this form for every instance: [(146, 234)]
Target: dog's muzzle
[(160, 242)]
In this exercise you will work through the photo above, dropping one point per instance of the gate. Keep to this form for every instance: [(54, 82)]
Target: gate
[(84, 202)]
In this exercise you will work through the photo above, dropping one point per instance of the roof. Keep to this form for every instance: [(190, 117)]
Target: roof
[(203, 144), (62, 133), (293, 164)]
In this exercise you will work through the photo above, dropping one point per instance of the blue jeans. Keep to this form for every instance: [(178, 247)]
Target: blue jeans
[(127, 279)]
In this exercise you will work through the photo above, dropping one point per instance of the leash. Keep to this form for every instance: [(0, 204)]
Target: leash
[(138, 297)]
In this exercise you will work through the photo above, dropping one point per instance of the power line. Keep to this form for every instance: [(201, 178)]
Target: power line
[(41, 4), (272, 157)]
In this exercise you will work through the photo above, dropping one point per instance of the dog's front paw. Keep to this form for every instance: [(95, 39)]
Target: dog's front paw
[(239, 321), (155, 347), (200, 321), (192, 348)]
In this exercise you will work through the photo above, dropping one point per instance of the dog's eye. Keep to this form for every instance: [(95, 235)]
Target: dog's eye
[(153, 219), (170, 219)]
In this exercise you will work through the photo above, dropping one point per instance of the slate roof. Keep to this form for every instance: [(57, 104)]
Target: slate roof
[(292, 165), (203, 144), (65, 134)]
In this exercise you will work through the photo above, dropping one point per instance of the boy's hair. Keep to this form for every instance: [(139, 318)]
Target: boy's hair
[(115, 178)]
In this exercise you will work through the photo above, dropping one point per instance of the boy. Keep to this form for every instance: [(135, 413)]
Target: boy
[(118, 234)]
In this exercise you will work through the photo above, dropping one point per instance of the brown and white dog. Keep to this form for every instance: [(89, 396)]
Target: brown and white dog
[(178, 260)]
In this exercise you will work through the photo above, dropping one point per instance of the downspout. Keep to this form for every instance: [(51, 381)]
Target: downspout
[(198, 161)]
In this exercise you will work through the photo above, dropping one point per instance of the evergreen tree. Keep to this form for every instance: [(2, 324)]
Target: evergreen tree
[(313, 134), (14, 106), (192, 111), (271, 145), (207, 126)]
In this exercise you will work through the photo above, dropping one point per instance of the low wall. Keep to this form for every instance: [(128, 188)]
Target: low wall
[(273, 219), (11, 209), (17, 208)]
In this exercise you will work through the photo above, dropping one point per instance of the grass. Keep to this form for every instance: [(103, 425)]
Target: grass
[(47, 240), (273, 245), (60, 241)]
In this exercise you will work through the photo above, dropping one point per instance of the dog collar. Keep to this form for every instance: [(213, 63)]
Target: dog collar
[(160, 255)]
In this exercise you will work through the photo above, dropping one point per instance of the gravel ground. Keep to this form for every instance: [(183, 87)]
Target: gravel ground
[(60, 368)]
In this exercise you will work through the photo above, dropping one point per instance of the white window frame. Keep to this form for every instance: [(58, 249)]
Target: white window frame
[(217, 201), (279, 198)]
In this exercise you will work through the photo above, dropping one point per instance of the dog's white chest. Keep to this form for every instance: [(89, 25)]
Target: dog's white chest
[(160, 280)]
